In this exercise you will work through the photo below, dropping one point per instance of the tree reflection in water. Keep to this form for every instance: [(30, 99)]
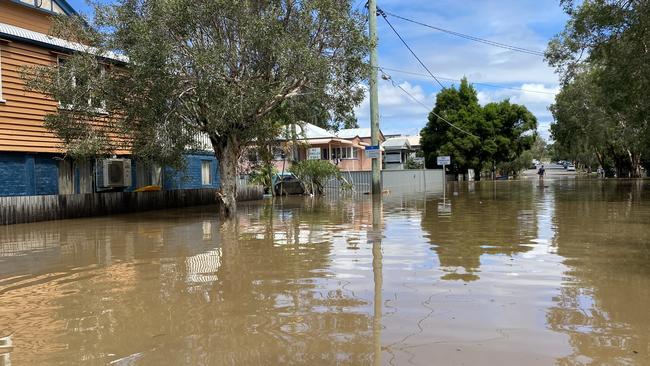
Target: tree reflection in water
[(604, 303), (186, 289), (490, 222)]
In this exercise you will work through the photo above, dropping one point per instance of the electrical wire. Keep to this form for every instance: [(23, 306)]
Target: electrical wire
[(469, 37), (389, 78), (484, 84), (381, 12)]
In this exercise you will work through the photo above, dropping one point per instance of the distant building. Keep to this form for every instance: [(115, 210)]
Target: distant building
[(345, 148), (398, 149), (32, 159)]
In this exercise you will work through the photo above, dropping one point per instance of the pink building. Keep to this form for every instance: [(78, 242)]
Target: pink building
[(345, 148)]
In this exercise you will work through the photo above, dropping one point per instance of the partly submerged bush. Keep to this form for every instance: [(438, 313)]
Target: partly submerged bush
[(314, 173), (263, 176)]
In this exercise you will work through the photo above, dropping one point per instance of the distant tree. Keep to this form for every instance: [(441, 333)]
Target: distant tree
[(602, 57), (585, 129), (481, 137), (538, 150), (216, 67), (461, 108)]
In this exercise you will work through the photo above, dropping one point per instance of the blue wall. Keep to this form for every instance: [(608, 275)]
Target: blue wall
[(28, 174), (190, 178), (24, 174)]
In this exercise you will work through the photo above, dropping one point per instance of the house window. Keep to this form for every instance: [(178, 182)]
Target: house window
[(278, 154), (49, 5), (206, 172), (324, 154), (344, 153), (79, 83)]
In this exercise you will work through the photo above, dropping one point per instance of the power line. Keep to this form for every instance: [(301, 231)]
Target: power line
[(381, 12), (469, 37), (389, 78), (484, 84)]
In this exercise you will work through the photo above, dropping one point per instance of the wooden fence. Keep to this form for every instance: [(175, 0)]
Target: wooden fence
[(21, 209)]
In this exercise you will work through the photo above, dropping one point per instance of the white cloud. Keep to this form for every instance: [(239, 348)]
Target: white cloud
[(528, 23)]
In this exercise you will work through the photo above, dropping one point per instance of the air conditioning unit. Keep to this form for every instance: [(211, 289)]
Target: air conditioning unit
[(114, 173)]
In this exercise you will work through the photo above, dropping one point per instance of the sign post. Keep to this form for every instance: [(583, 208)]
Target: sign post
[(444, 161), (373, 152)]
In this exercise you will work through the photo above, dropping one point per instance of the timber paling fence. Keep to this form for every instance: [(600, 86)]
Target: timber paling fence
[(23, 209)]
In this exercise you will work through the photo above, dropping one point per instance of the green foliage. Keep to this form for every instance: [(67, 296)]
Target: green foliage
[(234, 71), (263, 176), (602, 57), (514, 167), (411, 163), (498, 132), (539, 149), (314, 173)]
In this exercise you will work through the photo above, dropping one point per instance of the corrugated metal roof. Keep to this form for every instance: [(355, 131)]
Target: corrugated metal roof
[(414, 140), (349, 133), (397, 143), (307, 131), (20, 34)]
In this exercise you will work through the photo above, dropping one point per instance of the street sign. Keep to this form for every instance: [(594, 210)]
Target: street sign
[(373, 152), (313, 153), (444, 160)]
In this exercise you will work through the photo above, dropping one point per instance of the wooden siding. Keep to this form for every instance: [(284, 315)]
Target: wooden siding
[(24, 17), (23, 112)]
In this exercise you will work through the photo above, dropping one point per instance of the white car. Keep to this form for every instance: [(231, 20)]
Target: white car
[(571, 168)]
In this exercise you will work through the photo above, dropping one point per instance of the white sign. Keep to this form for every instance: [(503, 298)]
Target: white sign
[(313, 153), (444, 160), (373, 152)]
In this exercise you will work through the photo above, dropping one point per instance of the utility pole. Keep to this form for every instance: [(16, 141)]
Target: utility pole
[(374, 98)]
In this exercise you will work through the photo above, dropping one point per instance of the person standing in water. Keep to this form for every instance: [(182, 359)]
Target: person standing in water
[(541, 172)]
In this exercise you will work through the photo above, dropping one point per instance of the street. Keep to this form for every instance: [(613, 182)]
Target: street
[(552, 171)]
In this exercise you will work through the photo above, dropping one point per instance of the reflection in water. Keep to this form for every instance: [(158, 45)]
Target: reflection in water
[(377, 258), (604, 304), (461, 230), (509, 273), (6, 346)]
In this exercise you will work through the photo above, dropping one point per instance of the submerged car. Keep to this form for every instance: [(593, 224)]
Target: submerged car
[(287, 184), (571, 168)]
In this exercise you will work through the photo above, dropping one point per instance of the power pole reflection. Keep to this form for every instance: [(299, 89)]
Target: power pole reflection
[(375, 235)]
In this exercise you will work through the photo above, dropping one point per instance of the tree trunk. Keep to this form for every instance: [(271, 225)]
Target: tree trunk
[(635, 164), (227, 151)]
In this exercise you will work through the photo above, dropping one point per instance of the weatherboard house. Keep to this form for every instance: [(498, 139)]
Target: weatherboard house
[(32, 159), (345, 148)]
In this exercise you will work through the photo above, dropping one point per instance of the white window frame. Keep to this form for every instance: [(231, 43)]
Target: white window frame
[(98, 110), (206, 177), (54, 7), (345, 153), (1, 98)]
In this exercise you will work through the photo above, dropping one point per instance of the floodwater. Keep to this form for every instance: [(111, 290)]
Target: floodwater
[(505, 273)]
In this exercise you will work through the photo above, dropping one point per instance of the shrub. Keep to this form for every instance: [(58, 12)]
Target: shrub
[(263, 176), (314, 173)]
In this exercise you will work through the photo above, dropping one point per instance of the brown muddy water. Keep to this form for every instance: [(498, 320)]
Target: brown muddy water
[(512, 273)]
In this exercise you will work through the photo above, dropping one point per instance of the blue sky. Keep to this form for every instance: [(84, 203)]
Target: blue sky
[(524, 23)]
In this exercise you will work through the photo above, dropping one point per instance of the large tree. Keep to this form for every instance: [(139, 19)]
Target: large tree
[(602, 57), (475, 137), (218, 68)]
